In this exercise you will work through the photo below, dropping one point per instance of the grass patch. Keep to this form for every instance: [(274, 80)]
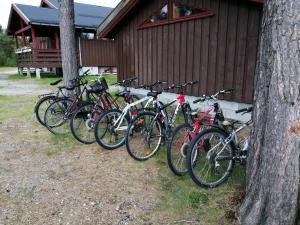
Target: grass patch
[(182, 199), (17, 77), (51, 153), (19, 111)]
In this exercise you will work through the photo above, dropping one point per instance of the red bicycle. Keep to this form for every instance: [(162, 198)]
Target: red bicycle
[(184, 134)]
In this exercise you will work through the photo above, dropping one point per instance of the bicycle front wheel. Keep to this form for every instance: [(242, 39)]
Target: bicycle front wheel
[(83, 123), (214, 162), (41, 107), (57, 116), (144, 136), (178, 148), (110, 129)]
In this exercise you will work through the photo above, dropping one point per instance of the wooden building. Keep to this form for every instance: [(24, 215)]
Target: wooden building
[(38, 27), (212, 41)]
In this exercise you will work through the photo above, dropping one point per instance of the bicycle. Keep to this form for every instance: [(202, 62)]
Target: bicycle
[(46, 99), (214, 152), (111, 127), (61, 110), (83, 121), (149, 129), (185, 133)]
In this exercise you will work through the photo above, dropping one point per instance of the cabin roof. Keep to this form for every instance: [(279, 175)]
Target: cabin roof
[(86, 16), (118, 14)]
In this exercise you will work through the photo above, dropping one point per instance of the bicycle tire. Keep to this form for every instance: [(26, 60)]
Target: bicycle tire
[(130, 134), (38, 106), (179, 152), (52, 111), (204, 136), (100, 136), (89, 123)]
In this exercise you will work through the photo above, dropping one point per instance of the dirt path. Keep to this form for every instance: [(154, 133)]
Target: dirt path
[(83, 186), (17, 87)]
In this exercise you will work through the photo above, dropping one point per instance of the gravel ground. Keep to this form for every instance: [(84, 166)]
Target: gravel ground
[(84, 185), (18, 87)]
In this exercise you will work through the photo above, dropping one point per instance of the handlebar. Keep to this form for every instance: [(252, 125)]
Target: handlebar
[(130, 80), (245, 110), (159, 82), (213, 97), (86, 72), (55, 82), (180, 86)]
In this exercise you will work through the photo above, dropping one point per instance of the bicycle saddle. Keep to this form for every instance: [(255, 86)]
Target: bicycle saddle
[(122, 93), (153, 93)]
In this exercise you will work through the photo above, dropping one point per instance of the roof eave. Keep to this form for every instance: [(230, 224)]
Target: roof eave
[(48, 3), (20, 13), (115, 16)]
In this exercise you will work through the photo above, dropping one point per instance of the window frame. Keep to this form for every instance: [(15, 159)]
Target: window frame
[(204, 14)]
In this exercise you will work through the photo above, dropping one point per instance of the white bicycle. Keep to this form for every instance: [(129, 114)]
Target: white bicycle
[(111, 127)]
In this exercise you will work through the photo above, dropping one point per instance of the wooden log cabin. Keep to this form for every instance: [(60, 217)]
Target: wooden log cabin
[(39, 45), (212, 41)]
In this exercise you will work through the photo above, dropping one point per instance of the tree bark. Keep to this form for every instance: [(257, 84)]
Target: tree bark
[(272, 187), (68, 42)]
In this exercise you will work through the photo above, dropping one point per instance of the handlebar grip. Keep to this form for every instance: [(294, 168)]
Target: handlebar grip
[(142, 86), (228, 91), (86, 72), (199, 100), (55, 82), (249, 109), (161, 82), (131, 79), (193, 82)]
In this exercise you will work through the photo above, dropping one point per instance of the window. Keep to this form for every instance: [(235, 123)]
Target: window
[(173, 11)]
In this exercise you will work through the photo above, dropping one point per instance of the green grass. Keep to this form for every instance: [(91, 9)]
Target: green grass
[(181, 198)]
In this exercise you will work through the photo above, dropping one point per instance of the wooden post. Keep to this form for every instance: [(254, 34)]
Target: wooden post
[(33, 37), (17, 42), (170, 9), (38, 73), (57, 40), (23, 34)]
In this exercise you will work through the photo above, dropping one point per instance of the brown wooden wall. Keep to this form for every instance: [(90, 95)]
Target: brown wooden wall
[(98, 52), (219, 51)]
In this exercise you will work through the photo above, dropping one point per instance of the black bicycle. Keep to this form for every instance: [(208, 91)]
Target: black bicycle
[(83, 121), (46, 99), (149, 129), (60, 111)]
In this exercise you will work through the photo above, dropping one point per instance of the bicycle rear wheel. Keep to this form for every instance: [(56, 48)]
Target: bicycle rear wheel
[(144, 136), (214, 162), (108, 134), (41, 106), (83, 123), (57, 116), (178, 148)]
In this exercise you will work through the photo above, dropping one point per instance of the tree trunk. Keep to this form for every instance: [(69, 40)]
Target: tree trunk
[(68, 42), (272, 188)]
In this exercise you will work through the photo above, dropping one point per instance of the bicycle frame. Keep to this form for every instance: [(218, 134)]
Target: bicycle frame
[(197, 125), (74, 104), (127, 109)]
